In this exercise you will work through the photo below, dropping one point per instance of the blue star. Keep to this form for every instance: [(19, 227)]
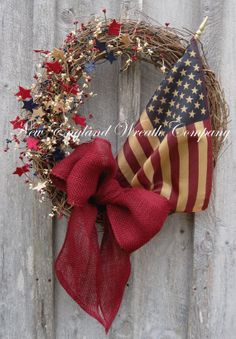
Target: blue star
[(100, 45), (110, 56), (58, 155), (29, 105), (89, 67)]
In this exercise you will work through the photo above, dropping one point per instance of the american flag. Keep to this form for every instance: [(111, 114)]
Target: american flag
[(175, 162)]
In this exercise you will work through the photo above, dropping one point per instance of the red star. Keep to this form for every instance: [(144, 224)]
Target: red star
[(114, 28), (21, 170), (32, 143), (18, 123), (71, 89), (53, 67), (24, 93), (79, 120)]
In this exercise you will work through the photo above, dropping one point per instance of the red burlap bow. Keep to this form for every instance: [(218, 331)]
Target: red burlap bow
[(95, 275)]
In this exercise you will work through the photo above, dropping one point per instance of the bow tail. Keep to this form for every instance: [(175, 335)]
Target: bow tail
[(94, 277), (77, 264), (115, 271)]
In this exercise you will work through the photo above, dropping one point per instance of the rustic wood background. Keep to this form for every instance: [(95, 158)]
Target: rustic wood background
[(183, 281)]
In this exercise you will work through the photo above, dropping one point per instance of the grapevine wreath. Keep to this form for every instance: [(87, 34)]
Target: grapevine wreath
[(132, 194)]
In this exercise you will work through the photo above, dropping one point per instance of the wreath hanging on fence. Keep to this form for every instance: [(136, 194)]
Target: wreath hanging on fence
[(152, 176)]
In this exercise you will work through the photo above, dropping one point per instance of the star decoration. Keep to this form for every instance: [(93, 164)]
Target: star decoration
[(58, 155), (29, 105), (114, 28), (170, 79), (40, 185), (89, 67), (178, 118), (18, 122), (125, 39), (151, 108), (32, 143), (187, 62), (189, 99), (37, 113), (54, 66), (194, 90), (100, 45), (24, 93), (179, 82), (191, 76), (201, 96), (186, 85), (58, 53), (163, 100), (110, 56), (166, 90), (192, 54), (21, 170), (71, 89), (79, 120)]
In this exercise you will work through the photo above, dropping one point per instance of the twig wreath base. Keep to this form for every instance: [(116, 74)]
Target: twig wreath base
[(63, 85)]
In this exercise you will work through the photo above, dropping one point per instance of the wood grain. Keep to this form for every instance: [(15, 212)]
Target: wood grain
[(213, 307), (26, 305)]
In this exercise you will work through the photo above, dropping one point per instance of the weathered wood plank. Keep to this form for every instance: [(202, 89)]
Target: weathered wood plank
[(26, 231), (213, 297), (162, 269), (71, 320)]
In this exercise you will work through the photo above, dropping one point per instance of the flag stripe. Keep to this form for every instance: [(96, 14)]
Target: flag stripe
[(165, 168), (207, 125), (125, 167), (157, 178), (148, 126), (137, 150), (174, 161), (202, 168), (143, 140), (130, 157), (193, 168), (120, 177), (140, 179), (183, 169)]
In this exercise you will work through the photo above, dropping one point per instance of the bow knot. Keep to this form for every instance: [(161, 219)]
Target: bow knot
[(95, 276)]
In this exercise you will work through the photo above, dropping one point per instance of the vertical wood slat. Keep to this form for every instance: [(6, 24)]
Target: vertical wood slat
[(26, 305), (71, 320), (213, 298), (162, 268)]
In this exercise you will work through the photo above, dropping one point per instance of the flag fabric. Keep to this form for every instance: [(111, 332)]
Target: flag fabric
[(170, 151)]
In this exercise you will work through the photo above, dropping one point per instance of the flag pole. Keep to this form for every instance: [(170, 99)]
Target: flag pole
[(201, 28)]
